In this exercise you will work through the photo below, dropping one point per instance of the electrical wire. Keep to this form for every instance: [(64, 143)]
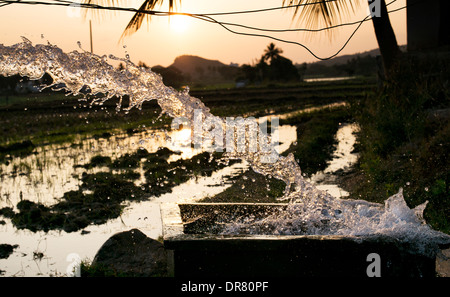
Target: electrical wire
[(295, 42), (208, 18), (96, 6), (304, 46)]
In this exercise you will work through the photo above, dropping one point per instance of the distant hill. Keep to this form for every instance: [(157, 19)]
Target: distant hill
[(201, 70), (197, 71), (345, 58), (364, 63)]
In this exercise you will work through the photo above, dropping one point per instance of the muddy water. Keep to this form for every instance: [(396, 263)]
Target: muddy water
[(51, 171), (343, 159), (46, 175)]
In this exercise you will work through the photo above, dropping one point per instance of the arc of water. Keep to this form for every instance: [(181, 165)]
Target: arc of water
[(76, 70)]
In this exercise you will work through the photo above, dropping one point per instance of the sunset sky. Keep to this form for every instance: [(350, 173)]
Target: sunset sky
[(163, 39)]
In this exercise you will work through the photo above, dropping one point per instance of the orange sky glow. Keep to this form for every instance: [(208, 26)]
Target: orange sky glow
[(163, 39)]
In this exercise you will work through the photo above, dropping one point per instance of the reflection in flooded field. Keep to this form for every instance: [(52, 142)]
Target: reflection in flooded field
[(343, 158), (53, 170)]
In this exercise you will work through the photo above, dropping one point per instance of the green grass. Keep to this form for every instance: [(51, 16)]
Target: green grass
[(402, 145)]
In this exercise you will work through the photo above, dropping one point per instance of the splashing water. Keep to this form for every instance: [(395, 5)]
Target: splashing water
[(77, 70), (358, 218), (311, 211)]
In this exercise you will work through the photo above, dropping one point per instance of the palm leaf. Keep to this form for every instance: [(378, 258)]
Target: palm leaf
[(324, 13), (142, 14), (98, 13), (138, 18)]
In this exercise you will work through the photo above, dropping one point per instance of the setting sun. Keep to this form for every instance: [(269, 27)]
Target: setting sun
[(179, 23)]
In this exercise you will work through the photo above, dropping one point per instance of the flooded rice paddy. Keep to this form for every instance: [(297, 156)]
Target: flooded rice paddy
[(53, 170)]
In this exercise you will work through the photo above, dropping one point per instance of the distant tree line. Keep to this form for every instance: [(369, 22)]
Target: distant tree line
[(273, 67), (358, 66)]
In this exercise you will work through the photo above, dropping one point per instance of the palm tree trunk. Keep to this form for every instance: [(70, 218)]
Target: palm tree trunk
[(386, 39)]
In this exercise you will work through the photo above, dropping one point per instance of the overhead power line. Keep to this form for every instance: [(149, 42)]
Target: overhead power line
[(226, 25)]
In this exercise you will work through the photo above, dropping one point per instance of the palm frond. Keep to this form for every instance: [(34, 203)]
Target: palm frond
[(136, 22), (99, 14), (144, 12), (322, 13)]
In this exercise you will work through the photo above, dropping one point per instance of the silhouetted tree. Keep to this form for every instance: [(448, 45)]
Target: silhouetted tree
[(330, 13), (279, 69), (249, 73), (271, 52), (282, 69)]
